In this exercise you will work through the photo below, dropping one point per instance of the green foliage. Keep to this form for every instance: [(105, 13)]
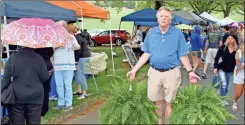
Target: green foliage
[(128, 107), (199, 105)]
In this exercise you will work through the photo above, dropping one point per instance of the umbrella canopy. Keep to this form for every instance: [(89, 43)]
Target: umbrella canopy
[(35, 33), (208, 17), (184, 26), (225, 21), (189, 16)]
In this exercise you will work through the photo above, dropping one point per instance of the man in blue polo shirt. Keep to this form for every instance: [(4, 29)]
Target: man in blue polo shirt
[(165, 46)]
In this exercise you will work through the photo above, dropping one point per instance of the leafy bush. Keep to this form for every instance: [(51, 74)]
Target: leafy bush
[(128, 107), (199, 105)]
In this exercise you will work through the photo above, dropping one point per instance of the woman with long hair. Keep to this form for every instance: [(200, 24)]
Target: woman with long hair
[(238, 76), (226, 67)]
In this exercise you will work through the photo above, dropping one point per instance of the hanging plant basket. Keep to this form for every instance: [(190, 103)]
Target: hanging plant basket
[(199, 105), (128, 107)]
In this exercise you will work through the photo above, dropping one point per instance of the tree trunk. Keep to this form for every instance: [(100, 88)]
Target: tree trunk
[(226, 13), (157, 4)]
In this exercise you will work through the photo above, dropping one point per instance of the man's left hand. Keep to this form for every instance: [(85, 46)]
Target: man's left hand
[(193, 77)]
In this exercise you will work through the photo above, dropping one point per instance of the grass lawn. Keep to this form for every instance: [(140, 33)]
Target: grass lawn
[(103, 81)]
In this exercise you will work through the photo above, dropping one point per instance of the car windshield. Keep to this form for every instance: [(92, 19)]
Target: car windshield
[(95, 31)]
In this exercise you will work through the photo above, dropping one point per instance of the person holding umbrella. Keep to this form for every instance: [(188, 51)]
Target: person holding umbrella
[(64, 67), (26, 70)]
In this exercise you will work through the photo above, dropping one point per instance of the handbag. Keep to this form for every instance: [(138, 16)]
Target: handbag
[(7, 95), (216, 81)]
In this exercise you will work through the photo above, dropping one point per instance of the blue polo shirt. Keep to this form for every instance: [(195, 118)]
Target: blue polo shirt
[(165, 49)]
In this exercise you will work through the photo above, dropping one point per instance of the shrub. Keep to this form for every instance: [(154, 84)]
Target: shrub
[(199, 105), (128, 107)]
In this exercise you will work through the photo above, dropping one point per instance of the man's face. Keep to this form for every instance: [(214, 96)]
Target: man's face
[(164, 18)]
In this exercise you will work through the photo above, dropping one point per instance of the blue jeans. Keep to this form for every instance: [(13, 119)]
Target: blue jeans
[(53, 92), (80, 73), (63, 81), (226, 78)]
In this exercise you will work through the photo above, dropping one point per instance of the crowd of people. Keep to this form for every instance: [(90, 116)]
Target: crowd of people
[(223, 49), (32, 70), (163, 47)]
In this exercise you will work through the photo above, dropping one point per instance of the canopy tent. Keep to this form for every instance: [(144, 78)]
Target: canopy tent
[(190, 16), (149, 15), (30, 9), (83, 9), (208, 17), (143, 23), (150, 23), (184, 26), (225, 21)]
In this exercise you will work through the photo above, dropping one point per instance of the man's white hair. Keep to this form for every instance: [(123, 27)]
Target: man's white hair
[(166, 9)]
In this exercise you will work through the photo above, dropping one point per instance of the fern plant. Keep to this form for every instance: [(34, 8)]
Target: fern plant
[(128, 107), (199, 105)]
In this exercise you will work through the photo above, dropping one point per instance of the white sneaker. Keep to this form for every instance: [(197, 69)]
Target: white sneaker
[(52, 98), (81, 97), (225, 103)]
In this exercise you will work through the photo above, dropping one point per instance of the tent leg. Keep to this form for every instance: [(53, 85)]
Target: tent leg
[(133, 29), (82, 23), (113, 68), (79, 27), (95, 84), (1, 51), (7, 46), (120, 25)]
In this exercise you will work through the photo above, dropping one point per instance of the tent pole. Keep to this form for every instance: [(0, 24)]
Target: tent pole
[(82, 23), (113, 68), (7, 46), (79, 27), (120, 24), (133, 28)]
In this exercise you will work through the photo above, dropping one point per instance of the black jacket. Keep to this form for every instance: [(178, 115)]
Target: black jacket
[(29, 75), (84, 51), (228, 59)]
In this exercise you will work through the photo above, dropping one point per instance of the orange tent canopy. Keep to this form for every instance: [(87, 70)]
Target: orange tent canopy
[(83, 9)]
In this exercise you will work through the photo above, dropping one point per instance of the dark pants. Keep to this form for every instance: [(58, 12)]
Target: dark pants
[(24, 113), (46, 87)]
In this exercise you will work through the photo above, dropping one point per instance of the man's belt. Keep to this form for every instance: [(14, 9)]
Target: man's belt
[(162, 70)]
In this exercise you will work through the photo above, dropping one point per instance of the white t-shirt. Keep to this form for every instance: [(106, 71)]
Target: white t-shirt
[(139, 35)]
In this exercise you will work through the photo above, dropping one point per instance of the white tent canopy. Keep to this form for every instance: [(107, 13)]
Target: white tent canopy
[(209, 17), (225, 21)]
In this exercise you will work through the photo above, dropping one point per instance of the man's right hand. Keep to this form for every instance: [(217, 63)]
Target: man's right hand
[(131, 74)]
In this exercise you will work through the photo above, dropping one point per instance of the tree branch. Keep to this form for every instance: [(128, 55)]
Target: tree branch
[(213, 8)]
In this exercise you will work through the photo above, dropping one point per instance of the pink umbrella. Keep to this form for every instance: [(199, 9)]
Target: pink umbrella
[(35, 33)]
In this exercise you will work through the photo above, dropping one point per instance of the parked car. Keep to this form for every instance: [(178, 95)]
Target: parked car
[(119, 37), (123, 34), (95, 32)]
